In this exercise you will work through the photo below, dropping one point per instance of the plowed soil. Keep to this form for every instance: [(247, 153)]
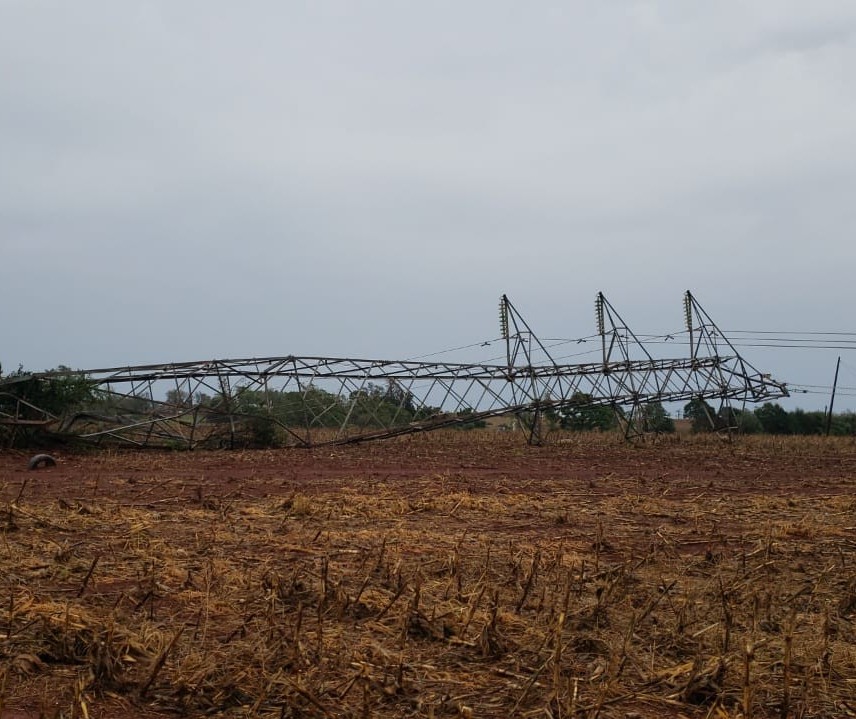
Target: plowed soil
[(447, 574)]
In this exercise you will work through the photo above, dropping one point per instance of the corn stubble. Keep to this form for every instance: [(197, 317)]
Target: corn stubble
[(547, 599)]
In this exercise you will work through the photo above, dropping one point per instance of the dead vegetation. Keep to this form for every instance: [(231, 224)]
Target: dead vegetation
[(657, 585)]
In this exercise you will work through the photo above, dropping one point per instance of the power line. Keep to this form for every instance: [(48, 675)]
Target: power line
[(756, 339), (788, 332), (772, 343)]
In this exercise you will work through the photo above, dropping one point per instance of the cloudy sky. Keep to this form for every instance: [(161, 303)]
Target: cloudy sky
[(182, 180)]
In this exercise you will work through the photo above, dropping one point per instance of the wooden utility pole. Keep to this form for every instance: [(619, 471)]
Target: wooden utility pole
[(832, 398)]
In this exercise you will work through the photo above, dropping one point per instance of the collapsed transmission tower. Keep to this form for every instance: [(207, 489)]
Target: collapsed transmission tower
[(312, 401)]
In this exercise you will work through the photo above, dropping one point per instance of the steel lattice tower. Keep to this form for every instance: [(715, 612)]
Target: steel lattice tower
[(310, 401)]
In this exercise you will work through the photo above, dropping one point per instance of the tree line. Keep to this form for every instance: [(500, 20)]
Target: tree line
[(769, 418)]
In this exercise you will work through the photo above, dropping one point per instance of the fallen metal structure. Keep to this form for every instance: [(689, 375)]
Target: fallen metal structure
[(312, 401)]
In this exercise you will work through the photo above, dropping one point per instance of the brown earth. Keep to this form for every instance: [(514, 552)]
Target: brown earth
[(447, 574)]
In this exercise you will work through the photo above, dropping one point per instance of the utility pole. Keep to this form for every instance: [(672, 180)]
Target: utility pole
[(832, 398)]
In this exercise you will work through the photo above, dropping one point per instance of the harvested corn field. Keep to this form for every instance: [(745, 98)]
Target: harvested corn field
[(445, 575)]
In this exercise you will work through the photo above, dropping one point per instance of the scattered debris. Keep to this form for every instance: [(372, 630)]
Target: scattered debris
[(41, 460)]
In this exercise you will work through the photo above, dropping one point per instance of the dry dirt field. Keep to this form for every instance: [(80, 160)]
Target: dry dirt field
[(443, 575)]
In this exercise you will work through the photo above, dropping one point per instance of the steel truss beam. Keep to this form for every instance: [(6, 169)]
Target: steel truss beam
[(311, 401)]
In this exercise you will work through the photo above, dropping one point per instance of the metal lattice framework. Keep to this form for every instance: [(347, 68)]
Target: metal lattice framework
[(311, 401)]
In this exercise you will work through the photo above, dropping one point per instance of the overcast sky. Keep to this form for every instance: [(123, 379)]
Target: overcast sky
[(186, 180)]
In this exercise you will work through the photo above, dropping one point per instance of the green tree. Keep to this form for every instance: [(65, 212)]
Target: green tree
[(702, 415), (773, 418), (746, 422), (802, 422), (844, 424), (24, 396), (57, 395), (396, 395), (375, 406), (582, 414), (655, 418), (179, 398)]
